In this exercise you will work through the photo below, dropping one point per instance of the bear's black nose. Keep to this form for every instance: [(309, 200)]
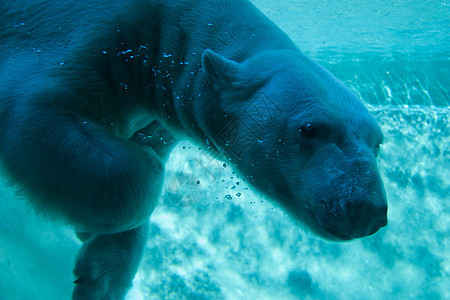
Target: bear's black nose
[(366, 218)]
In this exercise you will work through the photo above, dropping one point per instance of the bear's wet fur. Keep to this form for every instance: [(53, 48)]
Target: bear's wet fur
[(83, 81)]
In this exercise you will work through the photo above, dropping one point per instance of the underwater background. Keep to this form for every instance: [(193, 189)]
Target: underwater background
[(213, 238)]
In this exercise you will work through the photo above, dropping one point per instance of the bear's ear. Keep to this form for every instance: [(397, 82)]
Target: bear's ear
[(221, 69)]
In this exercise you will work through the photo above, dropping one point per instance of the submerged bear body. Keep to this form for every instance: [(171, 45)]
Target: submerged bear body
[(83, 82)]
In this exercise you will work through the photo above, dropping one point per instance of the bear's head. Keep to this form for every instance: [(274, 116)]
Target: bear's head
[(299, 136)]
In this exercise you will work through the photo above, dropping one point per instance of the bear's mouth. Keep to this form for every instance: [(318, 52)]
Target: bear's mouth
[(351, 221), (322, 229), (336, 235)]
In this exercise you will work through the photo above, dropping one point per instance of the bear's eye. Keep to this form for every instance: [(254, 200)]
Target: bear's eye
[(315, 131), (308, 131)]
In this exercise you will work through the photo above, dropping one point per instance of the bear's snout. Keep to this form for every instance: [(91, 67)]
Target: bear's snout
[(353, 220), (354, 205), (366, 218)]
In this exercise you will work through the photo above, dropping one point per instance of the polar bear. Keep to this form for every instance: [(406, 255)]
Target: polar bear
[(94, 94)]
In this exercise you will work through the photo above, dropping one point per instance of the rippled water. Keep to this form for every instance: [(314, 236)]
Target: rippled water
[(216, 239)]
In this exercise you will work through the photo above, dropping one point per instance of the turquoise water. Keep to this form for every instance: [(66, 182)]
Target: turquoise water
[(216, 239)]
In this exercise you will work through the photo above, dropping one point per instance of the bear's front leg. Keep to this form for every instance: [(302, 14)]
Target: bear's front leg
[(106, 264), (70, 165)]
